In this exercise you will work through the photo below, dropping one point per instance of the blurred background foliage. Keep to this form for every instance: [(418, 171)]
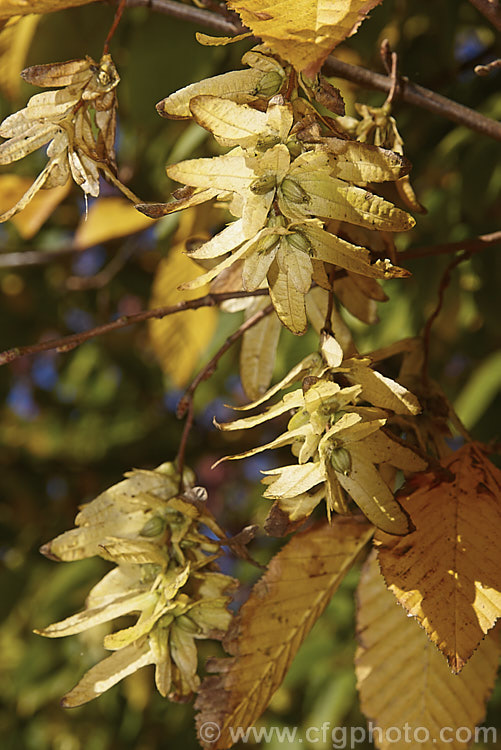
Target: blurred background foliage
[(72, 423)]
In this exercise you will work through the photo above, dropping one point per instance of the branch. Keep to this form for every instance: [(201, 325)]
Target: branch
[(192, 15), (186, 403), (34, 257), (490, 9), (67, 343), (210, 367), (475, 245), (410, 93), (444, 283)]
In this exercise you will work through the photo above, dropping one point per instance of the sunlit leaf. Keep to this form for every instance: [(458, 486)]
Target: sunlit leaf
[(305, 31), (446, 573), (406, 687)]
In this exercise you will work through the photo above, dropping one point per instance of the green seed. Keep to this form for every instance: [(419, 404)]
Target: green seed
[(298, 241), (293, 192), (341, 461), (153, 527), (270, 84)]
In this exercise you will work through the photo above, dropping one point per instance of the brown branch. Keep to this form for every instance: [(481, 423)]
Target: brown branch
[(186, 403), (35, 257), (210, 367), (192, 15), (490, 9), (114, 26), (66, 343), (410, 93), (475, 245)]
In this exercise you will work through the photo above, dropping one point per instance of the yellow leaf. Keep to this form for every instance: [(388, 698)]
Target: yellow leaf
[(294, 480), (238, 85), (272, 624), (303, 32), (257, 353), (107, 219), (380, 390), (367, 488), (30, 219), (10, 8), (231, 124), (446, 573), (289, 304), (312, 364), (129, 602), (219, 41), (179, 341), (405, 685), (108, 672), (15, 39)]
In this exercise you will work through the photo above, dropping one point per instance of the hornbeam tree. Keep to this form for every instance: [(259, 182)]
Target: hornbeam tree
[(288, 212)]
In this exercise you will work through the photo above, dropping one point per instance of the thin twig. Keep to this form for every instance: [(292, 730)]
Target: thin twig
[(475, 245), (490, 9), (114, 25), (410, 93), (106, 274), (183, 442), (210, 367), (444, 283), (327, 328), (35, 257), (66, 343), (186, 402), (390, 62)]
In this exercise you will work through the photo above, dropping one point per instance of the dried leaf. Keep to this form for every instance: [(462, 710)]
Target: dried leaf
[(405, 683), (238, 85), (446, 573), (107, 219), (180, 340), (272, 624), (303, 32)]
